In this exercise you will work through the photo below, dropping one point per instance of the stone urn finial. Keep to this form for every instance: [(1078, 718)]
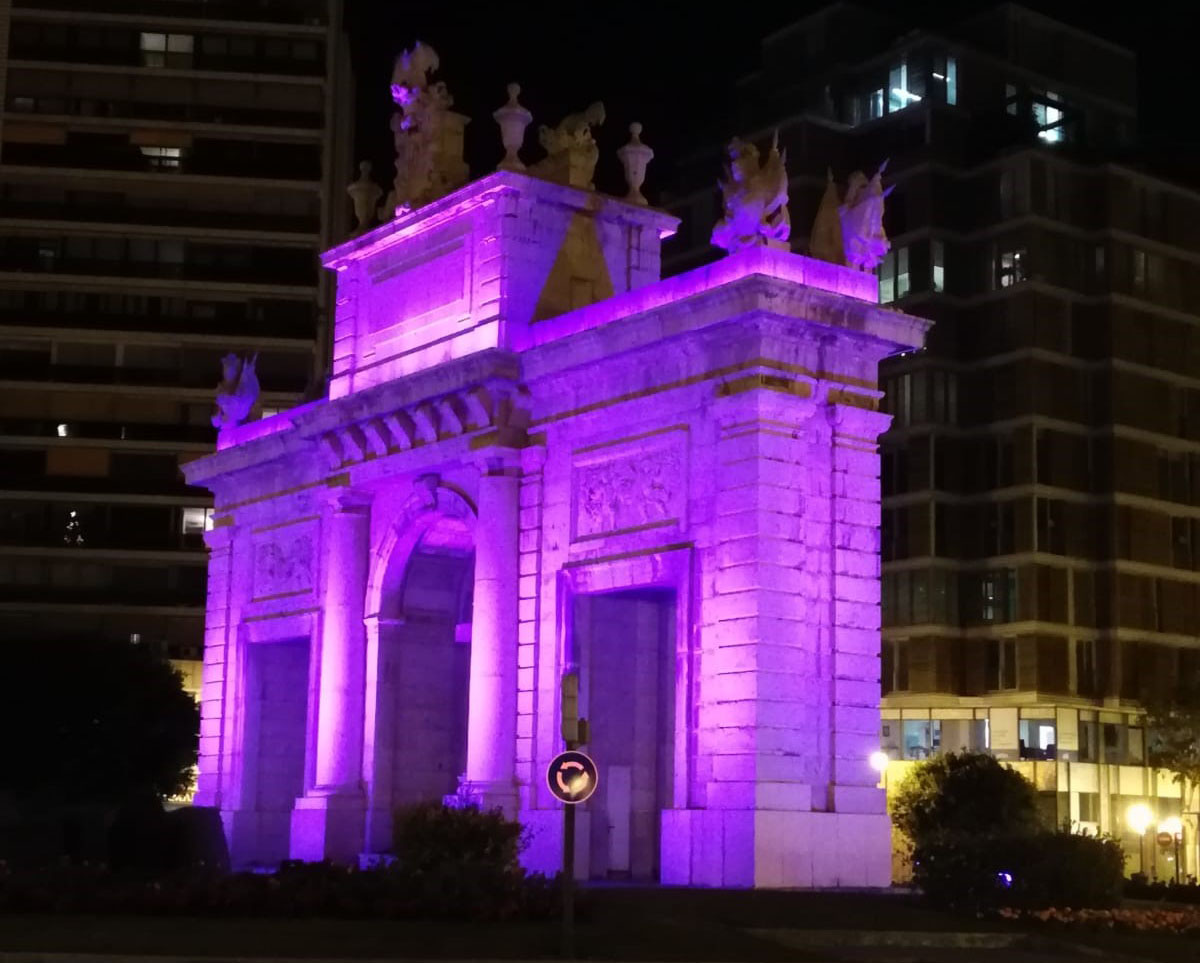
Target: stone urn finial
[(634, 157), (513, 119), (364, 195)]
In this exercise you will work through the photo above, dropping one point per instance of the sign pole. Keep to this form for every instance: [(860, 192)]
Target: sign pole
[(568, 917)]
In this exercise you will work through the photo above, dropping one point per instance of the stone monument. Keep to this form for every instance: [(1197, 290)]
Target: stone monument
[(850, 231), (537, 456), (571, 151), (237, 392)]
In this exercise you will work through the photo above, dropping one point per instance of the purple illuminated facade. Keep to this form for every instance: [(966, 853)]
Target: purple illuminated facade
[(537, 455)]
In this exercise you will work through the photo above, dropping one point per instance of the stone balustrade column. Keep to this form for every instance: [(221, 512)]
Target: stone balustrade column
[(492, 722)]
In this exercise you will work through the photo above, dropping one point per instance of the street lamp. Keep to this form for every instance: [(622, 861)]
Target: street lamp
[(1139, 817), (879, 762), (1173, 826)]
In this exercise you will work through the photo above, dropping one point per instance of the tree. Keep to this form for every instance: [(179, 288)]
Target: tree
[(1173, 721), (967, 793), (89, 722)]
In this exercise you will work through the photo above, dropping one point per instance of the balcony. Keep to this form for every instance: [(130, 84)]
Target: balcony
[(159, 216), (31, 262), (284, 67), (311, 14), (170, 434), (26, 370), (295, 329), (124, 158), (97, 485), (88, 107)]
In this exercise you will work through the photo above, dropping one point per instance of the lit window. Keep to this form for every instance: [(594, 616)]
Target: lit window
[(1048, 116), (937, 260), (945, 72), (196, 521), (893, 275), (1010, 267), (899, 93), (64, 431), (166, 49), (162, 158), (876, 103), (1010, 99)]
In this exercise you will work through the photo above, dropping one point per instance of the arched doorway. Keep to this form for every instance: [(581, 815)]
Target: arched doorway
[(431, 664), (419, 658)]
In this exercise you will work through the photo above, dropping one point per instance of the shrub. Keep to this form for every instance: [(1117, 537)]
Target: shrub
[(427, 837), (964, 793), (1025, 870)]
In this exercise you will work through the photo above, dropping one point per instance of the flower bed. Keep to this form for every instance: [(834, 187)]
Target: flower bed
[(1180, 922)]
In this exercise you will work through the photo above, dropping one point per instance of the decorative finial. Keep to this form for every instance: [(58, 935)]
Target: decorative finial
[(634, 157), (364, 194), (756, 197), (513, 119)]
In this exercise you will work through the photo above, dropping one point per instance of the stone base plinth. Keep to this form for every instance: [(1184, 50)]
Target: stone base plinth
[(775, 849), (544, 853), (328, 827)]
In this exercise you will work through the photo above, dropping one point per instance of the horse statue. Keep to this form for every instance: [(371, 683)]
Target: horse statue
[(237, 392), (422, 106), (755, 199), (863, 238)]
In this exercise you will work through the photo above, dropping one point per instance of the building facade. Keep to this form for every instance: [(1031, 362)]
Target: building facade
[(536, 457), (169, 171), (1040, 480)]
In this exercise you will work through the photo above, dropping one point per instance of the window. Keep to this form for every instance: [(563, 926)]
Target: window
[(998, 596), (1038, 739), (945, 73), (1139, 271), (1089, 748), (1087, 678), (1048, 115), (893, 275), (1001, 663), (1009, 267), (1089, 807), (901, 92), (1181, 542), (1010, 99), (167, 49), (937, 270), (894, 666), (195, 521), (1051, 534), (1000, 528), (162, 158), (922, 737)]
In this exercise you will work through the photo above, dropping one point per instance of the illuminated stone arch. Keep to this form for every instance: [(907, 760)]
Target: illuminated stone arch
[(430, 502)]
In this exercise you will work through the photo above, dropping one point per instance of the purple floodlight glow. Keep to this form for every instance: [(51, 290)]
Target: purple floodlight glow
[(535, 454)]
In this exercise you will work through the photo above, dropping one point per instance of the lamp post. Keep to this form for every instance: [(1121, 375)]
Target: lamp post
[(879, 762), (1139, 817)]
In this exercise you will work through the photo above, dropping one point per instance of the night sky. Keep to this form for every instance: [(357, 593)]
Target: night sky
[(672, 65)]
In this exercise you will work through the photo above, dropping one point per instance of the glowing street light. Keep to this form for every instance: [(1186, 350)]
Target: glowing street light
[(1139, 817), (879, 761)]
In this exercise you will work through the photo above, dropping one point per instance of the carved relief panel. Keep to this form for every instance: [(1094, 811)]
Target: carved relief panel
[(630, 485), (283, 559)]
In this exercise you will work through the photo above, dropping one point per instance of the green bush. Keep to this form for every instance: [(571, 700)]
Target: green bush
[(964, 793), (977, 872), (429, 837)]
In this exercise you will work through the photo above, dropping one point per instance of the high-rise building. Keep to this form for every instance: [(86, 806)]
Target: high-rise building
[(169, 170), (1041, 548)]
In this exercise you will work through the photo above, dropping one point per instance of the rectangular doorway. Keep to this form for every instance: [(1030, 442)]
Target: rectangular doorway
[(625, 643), (276, 722)]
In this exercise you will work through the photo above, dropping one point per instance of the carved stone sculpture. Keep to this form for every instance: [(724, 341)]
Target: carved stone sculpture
[(755, 198), (825, 238), (863, 238), (634, 157), (571, 149), (364, 195), (427, 135), (513, 119), (237, 392)]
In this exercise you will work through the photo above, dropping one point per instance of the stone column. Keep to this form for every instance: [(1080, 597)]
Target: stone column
[(327, 822), (492, 721)]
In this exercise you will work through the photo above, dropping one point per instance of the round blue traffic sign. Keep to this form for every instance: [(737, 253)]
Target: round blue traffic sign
[(572, 776)]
